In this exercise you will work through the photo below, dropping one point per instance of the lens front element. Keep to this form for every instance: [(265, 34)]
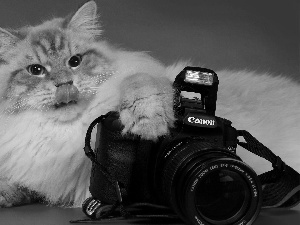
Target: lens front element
[(224, 191), (222, 196)]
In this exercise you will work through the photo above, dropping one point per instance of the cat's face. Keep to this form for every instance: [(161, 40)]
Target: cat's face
[(53, 68)]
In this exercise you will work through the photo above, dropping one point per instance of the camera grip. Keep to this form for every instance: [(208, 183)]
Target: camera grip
[(121, 158)]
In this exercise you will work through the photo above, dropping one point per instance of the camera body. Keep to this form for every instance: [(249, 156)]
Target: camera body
[(194, 170)]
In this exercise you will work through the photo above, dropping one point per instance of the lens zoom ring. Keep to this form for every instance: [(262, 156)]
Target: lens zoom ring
[(182, 155)]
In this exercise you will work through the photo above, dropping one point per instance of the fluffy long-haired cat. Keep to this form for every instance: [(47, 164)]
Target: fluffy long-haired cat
[(57, 77)]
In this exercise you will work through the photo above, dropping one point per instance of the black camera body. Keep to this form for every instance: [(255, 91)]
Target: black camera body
[(194, 170)]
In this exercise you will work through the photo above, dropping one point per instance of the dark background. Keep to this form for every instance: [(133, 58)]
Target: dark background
[(260, 35)]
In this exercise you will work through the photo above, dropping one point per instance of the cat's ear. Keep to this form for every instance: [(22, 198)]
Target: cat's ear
[(85, 20), (7, 40)]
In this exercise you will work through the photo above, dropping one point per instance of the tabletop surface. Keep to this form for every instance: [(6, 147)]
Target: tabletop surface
[(44, 215)]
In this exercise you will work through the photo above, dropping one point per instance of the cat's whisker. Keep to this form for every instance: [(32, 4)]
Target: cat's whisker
[(88, 92)]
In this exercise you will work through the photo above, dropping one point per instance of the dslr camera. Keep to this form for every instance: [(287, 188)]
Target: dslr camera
[(194, 170)]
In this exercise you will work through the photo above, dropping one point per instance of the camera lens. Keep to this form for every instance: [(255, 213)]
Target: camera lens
[(221, 196), (206, 184)]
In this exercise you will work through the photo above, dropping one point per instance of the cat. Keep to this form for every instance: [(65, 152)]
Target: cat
[(57, 77)]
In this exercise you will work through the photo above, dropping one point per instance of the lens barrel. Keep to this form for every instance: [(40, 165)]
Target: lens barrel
[(206, 184)]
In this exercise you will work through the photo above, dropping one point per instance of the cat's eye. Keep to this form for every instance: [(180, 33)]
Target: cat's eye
[(75, 61), (36, 69)]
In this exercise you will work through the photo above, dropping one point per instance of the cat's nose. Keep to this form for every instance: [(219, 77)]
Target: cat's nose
[(66, 93)]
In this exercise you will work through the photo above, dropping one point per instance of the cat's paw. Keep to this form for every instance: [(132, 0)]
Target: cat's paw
[(145, 121), (146, 108), (12, 195), (4, 202)]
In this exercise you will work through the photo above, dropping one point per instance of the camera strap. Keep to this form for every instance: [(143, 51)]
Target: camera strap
[(87, 147), (281, 186)]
